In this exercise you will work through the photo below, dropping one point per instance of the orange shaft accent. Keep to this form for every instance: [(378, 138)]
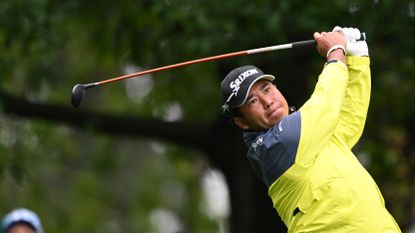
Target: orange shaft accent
[(217, 57)]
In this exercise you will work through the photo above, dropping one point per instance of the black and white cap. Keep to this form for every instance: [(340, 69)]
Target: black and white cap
[(236, 85)]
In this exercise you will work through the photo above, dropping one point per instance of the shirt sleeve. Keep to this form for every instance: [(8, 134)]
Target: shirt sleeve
[(320, 114), (356, 102)]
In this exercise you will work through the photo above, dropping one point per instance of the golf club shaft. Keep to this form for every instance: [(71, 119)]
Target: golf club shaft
[(217, 57)]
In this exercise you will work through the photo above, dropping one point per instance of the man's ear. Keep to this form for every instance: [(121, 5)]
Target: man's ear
[(241, 122)]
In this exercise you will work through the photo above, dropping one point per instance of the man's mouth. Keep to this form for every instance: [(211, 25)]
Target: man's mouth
[(275, 112)]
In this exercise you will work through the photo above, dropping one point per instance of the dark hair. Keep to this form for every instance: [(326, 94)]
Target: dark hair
[(236, 112)]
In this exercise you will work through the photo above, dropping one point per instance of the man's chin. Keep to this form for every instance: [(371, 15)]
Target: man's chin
[(262, 127)]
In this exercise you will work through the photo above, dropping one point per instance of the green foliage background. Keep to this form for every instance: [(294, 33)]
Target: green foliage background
[(79, 180)]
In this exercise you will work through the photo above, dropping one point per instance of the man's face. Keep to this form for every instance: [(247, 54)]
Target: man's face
[(21, 228), (264, 107)]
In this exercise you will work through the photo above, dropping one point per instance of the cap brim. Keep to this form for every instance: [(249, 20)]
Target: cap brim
[(268, 77)]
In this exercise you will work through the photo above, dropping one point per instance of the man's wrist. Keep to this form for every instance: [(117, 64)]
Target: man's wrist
[(336, 47), (336, 54)]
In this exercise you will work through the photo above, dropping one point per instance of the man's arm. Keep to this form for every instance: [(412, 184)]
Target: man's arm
[(356, 102), (320, 114)]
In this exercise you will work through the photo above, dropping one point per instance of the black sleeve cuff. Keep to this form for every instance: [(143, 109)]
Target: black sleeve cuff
[(332, 61)]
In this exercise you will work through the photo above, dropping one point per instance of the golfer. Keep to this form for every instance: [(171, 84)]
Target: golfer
[(304, 158)]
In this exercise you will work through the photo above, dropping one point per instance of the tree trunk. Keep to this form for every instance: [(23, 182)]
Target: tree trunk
[(251, 208)]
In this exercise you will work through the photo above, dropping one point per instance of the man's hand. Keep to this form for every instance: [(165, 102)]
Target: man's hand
[(354, 47), (331, 45)]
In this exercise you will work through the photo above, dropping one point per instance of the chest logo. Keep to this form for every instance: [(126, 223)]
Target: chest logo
[(257, 143)]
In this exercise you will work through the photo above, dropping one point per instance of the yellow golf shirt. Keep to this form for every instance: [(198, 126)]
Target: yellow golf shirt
[(315, 181)]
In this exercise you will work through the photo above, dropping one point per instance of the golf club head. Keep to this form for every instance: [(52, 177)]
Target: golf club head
[(78, 93)]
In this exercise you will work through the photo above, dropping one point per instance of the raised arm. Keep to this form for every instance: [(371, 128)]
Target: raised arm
[(356, 102), (320, 114)]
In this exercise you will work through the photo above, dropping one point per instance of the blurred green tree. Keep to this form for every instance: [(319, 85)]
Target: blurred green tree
[(136, 150)]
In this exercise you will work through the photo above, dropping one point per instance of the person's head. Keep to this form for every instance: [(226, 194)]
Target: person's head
[(21, 221), (251, 100)]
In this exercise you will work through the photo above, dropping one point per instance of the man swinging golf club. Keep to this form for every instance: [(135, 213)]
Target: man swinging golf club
[(304, 158)]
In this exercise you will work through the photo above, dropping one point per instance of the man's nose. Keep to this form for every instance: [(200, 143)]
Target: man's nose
[(266, 101)]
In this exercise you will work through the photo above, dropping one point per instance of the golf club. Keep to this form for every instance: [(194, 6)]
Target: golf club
[(78, 90)]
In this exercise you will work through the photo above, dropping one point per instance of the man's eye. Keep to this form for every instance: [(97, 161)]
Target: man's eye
[(253, 101), (266, 87)]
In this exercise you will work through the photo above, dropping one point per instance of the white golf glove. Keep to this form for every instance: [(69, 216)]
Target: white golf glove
[(354, 46)]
